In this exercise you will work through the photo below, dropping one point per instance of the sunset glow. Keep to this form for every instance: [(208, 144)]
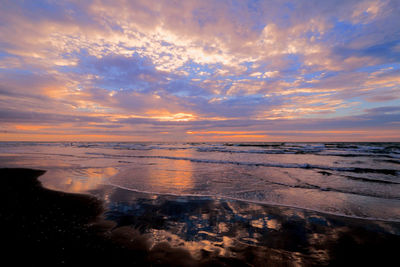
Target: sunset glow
[(200, 70)]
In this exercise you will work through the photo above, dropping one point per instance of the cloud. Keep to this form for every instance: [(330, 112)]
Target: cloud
[(193, 65)]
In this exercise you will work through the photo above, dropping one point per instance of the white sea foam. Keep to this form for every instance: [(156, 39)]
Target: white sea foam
[(263, 202)]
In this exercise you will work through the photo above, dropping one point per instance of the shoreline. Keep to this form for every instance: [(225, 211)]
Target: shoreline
[(278, 205), (76, 229)]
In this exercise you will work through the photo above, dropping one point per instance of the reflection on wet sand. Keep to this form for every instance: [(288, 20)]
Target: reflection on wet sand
[(78, 180), (139, 229), (251, 233), (203, 229)]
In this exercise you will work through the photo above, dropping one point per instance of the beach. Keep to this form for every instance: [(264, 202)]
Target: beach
[(141, 229), (200, 133)]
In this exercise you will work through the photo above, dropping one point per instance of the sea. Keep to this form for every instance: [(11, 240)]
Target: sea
[(357, 180)]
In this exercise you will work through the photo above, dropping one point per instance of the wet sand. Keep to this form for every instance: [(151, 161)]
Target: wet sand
[(42, 226)]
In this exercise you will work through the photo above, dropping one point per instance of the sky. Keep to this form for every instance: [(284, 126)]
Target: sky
[(200, 70)]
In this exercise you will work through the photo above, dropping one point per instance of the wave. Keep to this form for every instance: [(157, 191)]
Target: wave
[(262, 164), (391, 150), (304, 185), (328, 146), (261, 202), (318, 152), (391, 172), (370, 180), (389, 161)]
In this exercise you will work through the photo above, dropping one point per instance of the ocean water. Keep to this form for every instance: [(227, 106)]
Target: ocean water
[(359, 180)]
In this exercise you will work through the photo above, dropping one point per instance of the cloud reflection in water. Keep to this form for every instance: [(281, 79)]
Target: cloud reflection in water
[(252, 233)]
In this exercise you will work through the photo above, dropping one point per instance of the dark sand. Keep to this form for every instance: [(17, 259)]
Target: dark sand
[(41, 226)]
